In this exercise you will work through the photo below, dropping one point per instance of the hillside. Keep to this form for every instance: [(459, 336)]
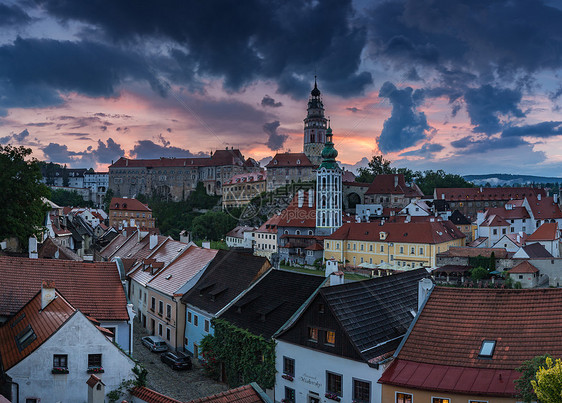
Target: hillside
[(509, 179)]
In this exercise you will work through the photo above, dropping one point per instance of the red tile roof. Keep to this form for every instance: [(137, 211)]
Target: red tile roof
[(463, 251), (219, 158), (242, 394), (295, 216), (44, 324), (93, 381), (441, 352), (270, 226), (546, 232), (524, 267), (93, 288), (285, 160), (150, 396), (494, 221), (238, 232), (509, 214), (51, 249), (126, 204), (247, 178), (471, 194), (545, 208), (419, 232), (393, 184)]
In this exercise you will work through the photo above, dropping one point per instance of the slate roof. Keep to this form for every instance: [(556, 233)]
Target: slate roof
[(546, 232), (385, 184), (44, 323), (376, 313), (181, 270), (441, 351), (536, 250), (93, 288), (286, 160), (117, 242), (414, 232), (228, 274), (482, 193), (524, 267), (458, 218), (244, 394), (272, 300)]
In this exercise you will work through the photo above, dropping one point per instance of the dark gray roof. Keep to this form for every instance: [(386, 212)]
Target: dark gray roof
[(376, 311), (272, 301), (458, 218), (228, 274), (536, 250)]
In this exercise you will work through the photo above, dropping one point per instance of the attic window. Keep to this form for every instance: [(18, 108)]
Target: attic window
[(487, 349), (25, 337), (169, 276), (298, 162), (275, 162)]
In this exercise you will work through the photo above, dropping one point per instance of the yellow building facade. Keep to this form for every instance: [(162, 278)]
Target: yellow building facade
[(399, 244)]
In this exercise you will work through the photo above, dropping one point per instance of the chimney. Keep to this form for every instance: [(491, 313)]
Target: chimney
[(442, 196), (555, 198), (539, 197), (153, 241), (47, 292), (518, 238), (33, 248), (96, 390), (126, 162), (206, 245), (424, 288), (336, 278), (331, 267), (310, 198), (480, 189), (185, 236), (395, 181)]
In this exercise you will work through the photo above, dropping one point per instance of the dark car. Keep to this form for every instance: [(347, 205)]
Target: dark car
[(176, 360)]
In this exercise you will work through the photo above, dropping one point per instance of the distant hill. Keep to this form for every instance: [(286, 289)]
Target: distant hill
[(509, 179)]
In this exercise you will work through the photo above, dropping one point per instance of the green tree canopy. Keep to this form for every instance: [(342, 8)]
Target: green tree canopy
[(21, 196), (528, 371), (69, 198), (213, 225), (548, 384)]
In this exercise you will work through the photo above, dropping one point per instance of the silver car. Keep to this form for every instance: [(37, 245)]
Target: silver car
[(155, 343)]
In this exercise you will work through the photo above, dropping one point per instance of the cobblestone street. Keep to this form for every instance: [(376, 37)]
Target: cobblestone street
[(180, 385)]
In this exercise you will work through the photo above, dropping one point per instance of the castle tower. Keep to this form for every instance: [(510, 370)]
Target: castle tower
[(328, 190), (315, 125)]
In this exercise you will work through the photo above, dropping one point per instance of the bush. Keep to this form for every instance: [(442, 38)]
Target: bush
[(479, 273)]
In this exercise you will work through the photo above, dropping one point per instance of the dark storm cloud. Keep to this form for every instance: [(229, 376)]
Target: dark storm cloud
[(5, 139), (541, 130), (427, 150), (86, 67), (104, 153), (485, 104), (483, 145), (406, 126), (12, 15), (147, 149), (268, 101), (245, 41), (21, 136), (275, 140)]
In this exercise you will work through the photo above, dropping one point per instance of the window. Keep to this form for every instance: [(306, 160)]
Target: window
[(288, 366), (160, 307), (421, 251), (31, 400), (152, 303), (168, 333), (94, 360), (289, 394), (487, 349), (440, 400), (25, 337), (403, 397), (370, 248), (330, 337), (361, 391), (189, 317), (168, 311), (195, 320), (495, 231), (382, 248), (160, 329), (206, 325), (413, 251), (313, 334), (60, 361), (333, 383)]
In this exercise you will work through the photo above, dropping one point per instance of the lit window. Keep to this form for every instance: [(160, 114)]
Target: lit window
[(403, 397), (313, 334), (487, 349), (440, 400), (330, 337)]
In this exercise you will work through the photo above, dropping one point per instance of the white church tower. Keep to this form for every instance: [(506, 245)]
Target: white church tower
[(328, 190)]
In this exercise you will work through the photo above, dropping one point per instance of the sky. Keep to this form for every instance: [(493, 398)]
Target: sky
[(467, 86)]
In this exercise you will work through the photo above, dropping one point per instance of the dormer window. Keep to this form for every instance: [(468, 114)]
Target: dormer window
[(275, 162), (298, 162), (487, 349)]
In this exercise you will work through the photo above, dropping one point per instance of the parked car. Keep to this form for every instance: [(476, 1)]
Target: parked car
[(176, 360), (155, 343)]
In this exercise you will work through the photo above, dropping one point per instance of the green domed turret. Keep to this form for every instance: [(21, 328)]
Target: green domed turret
[(329, 153)]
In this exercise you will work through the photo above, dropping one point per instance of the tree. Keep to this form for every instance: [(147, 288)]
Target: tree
[(377, 166), (429, 180), (478, 273), (22, 193), (69, 198), (528, 371), (107, 199), (548, 384), (212, 225)]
